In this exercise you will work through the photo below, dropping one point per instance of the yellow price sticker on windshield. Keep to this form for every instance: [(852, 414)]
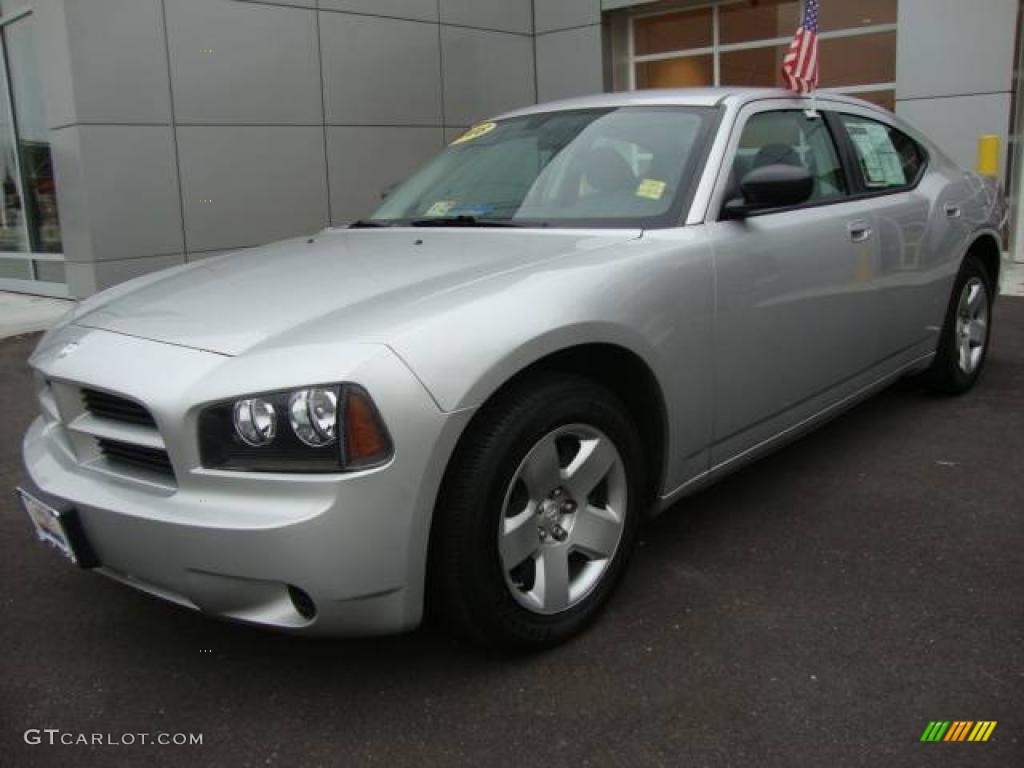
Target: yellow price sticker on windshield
[(440, 208), (475, 133), (652, 189)]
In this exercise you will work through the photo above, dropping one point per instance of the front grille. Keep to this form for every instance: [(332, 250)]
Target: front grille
[(151, 459), (107, 406)]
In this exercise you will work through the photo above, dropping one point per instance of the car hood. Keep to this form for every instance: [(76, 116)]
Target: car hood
[(337, 281)]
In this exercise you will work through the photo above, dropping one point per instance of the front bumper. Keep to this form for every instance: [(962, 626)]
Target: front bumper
[(231, 544)]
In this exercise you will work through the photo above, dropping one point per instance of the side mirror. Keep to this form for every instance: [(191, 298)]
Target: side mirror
[(773, 186)]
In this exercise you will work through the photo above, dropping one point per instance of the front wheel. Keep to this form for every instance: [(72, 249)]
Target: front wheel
[(538, 514), (963, 346)]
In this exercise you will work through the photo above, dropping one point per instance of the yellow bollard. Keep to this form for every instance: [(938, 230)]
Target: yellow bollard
[(988, 155)]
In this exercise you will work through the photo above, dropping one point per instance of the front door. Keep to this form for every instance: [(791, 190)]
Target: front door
[(796, 318)]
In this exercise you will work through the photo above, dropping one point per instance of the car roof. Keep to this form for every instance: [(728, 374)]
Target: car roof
[(732, 97), (691, 97)]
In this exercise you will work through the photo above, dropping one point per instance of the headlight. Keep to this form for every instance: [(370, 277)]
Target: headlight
[(314, 429), (314, 416), (255, 422)]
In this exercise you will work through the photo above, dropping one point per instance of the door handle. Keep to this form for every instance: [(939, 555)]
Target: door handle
[(953, 211), (859, 231)]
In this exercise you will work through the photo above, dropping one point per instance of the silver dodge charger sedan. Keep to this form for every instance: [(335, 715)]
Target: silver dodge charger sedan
[(574, 316)]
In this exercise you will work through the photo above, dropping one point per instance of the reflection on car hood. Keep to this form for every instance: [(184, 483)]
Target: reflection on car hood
[(337, 281)]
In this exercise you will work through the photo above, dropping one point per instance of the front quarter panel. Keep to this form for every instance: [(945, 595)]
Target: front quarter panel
[(652, 296)]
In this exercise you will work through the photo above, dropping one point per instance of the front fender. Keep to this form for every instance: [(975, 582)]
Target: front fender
[(652, 297), (455, 391)]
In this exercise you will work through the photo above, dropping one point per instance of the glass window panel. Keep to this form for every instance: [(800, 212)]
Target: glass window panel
[(585, 168), (754, 67), (673, 31), (862, 13), (746, 22), (888, 158), (791, 138), (768, 19), (687, 72), (860, 60), (12, 212), (18, 269), (34, 139), (885, 99)]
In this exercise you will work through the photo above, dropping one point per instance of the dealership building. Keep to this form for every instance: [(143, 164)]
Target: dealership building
[(136, 135)]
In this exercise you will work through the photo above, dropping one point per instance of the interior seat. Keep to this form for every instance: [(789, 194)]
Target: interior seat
[(605, 170)]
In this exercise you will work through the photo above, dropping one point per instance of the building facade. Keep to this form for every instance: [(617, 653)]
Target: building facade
[(141, 134)]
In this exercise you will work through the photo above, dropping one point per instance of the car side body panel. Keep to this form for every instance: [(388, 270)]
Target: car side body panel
[(652, 296), (810, 323)]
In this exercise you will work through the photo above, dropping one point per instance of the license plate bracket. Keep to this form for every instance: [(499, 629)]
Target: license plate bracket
[(56, 523)]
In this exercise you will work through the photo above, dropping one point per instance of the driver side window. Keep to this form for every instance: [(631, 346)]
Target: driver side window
[(791, 138)]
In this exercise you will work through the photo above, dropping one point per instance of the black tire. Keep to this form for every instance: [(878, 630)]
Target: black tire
[(945, 375), (468, 589)]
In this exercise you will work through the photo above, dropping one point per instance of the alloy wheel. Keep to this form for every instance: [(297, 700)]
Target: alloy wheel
[(563, 518), (972, 325)]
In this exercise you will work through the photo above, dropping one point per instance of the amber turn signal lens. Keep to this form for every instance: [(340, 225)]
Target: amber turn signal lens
[(366, 441)]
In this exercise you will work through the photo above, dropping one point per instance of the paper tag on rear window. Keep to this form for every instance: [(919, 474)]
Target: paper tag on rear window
[(652, 189), (475, 133)]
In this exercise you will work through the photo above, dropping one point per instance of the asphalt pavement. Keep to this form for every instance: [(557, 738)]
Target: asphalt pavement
[(817, 609)]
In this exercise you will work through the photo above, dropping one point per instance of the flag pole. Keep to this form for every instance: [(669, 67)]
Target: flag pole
[(812, 112), (800, 65)]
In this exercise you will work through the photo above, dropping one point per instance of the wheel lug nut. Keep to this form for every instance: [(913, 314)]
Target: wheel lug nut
[(568, 507), (559, 533), (542, 534)]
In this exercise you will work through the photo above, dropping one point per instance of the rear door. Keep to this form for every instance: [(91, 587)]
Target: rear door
[(797, 313), (888, 167)]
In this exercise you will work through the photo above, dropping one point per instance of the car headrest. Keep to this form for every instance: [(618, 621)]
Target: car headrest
[(606, 170), (776, 154)]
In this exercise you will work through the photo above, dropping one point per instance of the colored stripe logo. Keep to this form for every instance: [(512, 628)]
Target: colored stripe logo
[(958, 730)]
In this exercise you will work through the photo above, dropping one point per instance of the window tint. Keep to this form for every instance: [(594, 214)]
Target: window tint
[(888, 159), (619, 167), (674, 31), (791, 138)]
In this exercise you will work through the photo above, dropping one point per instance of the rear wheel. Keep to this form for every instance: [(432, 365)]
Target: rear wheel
[(963, 346), (538, 514)]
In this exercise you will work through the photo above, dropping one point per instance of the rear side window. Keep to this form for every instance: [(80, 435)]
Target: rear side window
[(791, 138), (888, 158)]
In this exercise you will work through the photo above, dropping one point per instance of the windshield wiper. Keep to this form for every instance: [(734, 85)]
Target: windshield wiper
[(462, 221), (367, 224)]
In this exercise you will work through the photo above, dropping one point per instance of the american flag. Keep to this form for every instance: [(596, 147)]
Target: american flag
[(800, 67)]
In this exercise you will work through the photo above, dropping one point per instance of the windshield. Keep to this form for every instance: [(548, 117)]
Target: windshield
[(625, 167)]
